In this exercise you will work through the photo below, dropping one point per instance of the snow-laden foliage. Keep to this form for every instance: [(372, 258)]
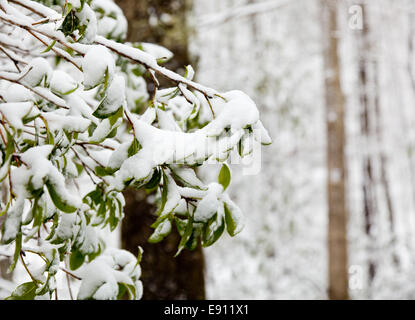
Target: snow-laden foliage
[(78, 126)]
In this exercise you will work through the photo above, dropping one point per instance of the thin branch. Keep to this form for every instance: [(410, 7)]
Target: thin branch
[(148, 61), (95, 144), (133, 54), (70, 273), (27, 269), (37, 90), (15, 62), (89, 155), (60, 53)]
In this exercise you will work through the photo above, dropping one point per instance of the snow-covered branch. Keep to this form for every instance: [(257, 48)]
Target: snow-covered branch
[(78, 127)]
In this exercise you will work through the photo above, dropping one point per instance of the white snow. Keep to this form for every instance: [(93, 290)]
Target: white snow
[(96, 62)]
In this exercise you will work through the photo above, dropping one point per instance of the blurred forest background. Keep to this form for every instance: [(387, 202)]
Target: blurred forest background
[(331, 214)]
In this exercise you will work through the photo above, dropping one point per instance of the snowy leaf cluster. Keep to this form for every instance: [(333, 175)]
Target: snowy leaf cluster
[(77, 127)]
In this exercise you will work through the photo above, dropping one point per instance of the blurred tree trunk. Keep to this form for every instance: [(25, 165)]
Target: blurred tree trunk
[(411, 74), (410, 147), (336, 164), (164, 277), (372, 133), (383, 163), (162, 22), (366, 128), (411, 46)]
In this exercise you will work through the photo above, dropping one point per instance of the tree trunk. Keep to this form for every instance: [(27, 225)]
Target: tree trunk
[(163, 276), (336, 164), (367, 131), (163, 22)]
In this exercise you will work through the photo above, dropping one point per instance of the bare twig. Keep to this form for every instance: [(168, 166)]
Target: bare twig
[(15, 62), (70, 274)]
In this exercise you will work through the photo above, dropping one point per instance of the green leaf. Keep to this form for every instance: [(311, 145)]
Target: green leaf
[(138, 71), (162, 230), (70, 23), (58, 200), (131, 291), (101, 111), (113, 219), (4, 170), (76, 259), (154, 181), (164, 193), (104, 171), (181, 174), (186, 236), (213, 230), (224, 176), (91, 129), (67, 92), (55, 226), (191, 244), (10, 145), (93, 255), (38, 214), (180, 226), (18, 247), (122, 289), (108, 108), (35, 193), (134, 147), (118, 114), (45, 288), (49, 47), (26, 291), (231, 221), (5, 209), (95, 195), (139, 255)]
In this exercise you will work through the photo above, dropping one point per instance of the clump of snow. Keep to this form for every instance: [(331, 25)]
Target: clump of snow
[(36, 71), (88, 19), (97, 62), (62, 83), (14, 112), (208, 206), (115, 96), (100, 278), (237, 112), (17, 93), (40, 169)]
